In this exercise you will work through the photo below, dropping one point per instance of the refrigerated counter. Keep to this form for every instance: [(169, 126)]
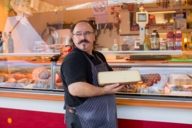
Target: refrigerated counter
[(26, 99)]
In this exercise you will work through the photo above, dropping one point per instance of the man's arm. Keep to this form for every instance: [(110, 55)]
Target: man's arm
[(83, 89)]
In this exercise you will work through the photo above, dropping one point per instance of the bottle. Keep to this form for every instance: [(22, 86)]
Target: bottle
[(153, 40), (157, 39), (185, 42), (115, 46), (1, 43), (178, 3), (10, 44), (170, 39), (178, 40), (190, 41), (147, 42)]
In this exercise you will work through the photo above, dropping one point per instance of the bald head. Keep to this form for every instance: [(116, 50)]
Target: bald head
[(83, 36), (82, 21)]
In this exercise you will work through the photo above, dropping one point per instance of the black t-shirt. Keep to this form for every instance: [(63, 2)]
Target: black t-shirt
[(76, 68)]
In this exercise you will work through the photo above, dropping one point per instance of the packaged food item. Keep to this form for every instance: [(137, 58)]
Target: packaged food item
[(170, 40), (180, 21), (163, 44), (179, 79), (137, 45), (124, 47), (189, 18)]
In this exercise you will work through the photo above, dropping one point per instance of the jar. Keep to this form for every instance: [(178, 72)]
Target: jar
[(163, 44), (115, 46)]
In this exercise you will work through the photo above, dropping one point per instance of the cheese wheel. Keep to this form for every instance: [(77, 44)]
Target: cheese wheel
[(111, 77)]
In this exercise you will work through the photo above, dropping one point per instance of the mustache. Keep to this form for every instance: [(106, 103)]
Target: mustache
[(83, 41)]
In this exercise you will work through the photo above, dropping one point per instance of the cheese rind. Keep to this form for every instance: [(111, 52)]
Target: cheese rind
[(110, 77)]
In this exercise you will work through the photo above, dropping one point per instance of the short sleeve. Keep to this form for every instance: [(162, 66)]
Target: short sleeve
[(74, 69)]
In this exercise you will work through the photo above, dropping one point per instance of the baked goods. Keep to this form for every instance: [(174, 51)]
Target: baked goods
[(179, 82), (18, 76), (40, 73), (147, 80), (41, 77), (58, 81), (2, 79), (44, 74)]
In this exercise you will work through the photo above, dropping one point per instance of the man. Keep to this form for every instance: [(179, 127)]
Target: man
[(87, 104)]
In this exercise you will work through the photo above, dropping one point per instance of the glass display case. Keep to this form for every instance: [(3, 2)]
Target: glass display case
[(161, 75), (29, 71), (165, 89), (165, 75)]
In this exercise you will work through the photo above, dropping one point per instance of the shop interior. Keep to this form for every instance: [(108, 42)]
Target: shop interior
[(129, 34), (153, 37)]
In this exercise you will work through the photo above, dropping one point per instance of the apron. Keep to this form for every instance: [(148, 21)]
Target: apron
[(95, 112)]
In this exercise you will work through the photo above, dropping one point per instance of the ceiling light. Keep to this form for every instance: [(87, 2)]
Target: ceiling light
[(110, 3), (80, 6)]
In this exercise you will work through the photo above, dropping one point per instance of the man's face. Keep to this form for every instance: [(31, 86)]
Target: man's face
[(84, 37)]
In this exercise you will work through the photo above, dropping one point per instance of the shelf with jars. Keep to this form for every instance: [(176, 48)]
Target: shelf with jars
[(147, 52), (47, 54), (157, 9)]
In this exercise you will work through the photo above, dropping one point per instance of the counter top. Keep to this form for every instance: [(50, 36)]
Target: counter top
[(154, 103), (33, 95), (147, 63)]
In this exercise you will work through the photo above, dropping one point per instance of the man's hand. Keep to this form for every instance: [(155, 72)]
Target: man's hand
[(112, 88)]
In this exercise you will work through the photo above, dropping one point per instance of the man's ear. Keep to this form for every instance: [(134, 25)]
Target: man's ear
[(71, 40)]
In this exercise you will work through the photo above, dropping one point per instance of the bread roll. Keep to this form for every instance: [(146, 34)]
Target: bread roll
[(45, 74)]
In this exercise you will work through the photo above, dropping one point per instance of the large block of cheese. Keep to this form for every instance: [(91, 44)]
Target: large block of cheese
[(110, 77)]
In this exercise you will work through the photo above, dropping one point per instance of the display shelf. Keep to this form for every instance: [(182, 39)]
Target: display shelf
[(170, 8), (129, 64), (148, 52), (166, 30), (130, 33), (25, 68), (28, 54)]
